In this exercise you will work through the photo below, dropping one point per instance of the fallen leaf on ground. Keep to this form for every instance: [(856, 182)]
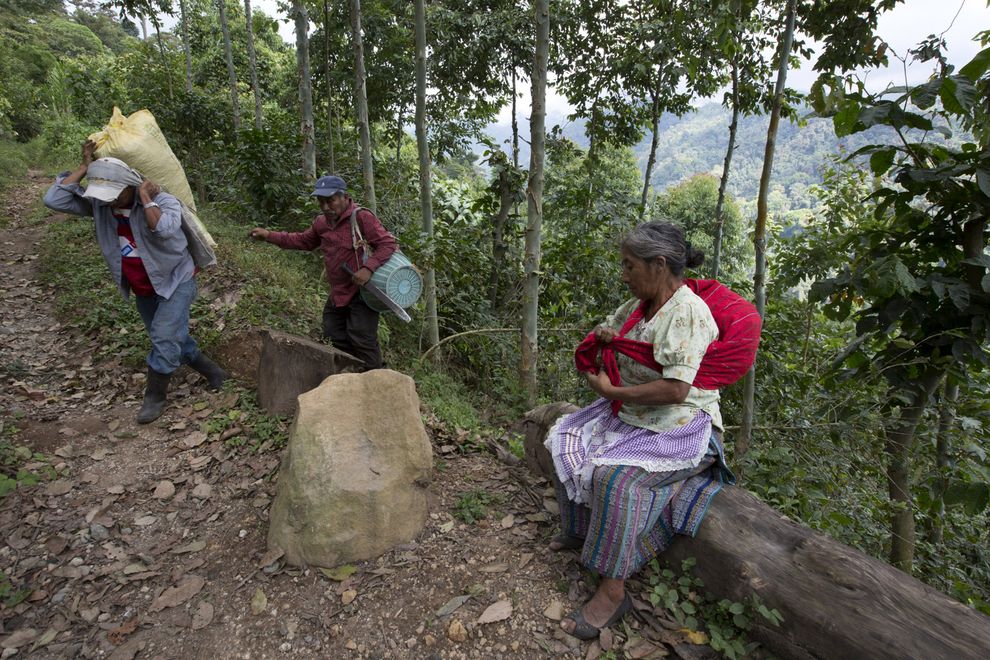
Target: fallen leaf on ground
[(508, 521), (452, 605), (203, 616), (144, 521), (116, 490), (258, 602), (538, 517), (136, 567), (525, 558), (340, 573), (194, 439), (552, 506), (494, 568), (202, 491), (113, 425), (60, 487), (122, 632), (496, 612), (694, 636), (447, 526), (605, 639), (645, 649), (195, 546), (20, 638), (348, 596), (189, 587)]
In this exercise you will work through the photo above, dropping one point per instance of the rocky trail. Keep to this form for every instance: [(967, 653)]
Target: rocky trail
[(150, 541)]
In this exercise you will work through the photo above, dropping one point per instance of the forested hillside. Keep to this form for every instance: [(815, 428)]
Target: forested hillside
[(866, 416)]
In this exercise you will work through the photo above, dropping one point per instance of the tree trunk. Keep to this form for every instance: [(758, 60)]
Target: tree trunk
[(361, 105), (944, 463), (760, 230), (161, 52), (185, 44), (898, 444), (425, 190), (724, 181), (326, 77), (836, 602), (499, 247), (398, 137), (306, 125), (515, 125), (229, 56), (651, 161), (144, 27), (534, 195), (253, 64)]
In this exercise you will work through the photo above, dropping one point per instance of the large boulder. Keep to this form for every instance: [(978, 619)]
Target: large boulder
[(291, 365), (355, 472)]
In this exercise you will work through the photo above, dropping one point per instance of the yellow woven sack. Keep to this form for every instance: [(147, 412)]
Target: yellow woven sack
[(139, 142)]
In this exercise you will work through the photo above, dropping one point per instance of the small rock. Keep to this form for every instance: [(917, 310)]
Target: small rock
[(164, 490), (457, 632), (98, 532), (202, 491), (430, 640), (350, 645)]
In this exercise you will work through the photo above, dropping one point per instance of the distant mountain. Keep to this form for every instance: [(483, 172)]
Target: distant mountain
[(696, 144)]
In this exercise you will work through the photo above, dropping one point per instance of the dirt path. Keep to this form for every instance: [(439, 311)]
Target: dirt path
[(149, 541)]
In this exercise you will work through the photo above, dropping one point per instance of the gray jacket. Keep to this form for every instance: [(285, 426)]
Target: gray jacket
[(164, 251)]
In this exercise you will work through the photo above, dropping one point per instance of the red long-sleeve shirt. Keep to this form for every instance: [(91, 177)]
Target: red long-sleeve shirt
[(335, 242)]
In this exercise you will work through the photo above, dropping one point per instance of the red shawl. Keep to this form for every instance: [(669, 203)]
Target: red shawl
[(727, 359)]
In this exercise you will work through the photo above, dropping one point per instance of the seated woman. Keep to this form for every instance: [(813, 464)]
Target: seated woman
[(627, 482)]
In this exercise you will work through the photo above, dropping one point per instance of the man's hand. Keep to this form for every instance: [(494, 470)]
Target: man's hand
[(605, 335), (259, 234), (361, 277), (148, 191), (88, 152)]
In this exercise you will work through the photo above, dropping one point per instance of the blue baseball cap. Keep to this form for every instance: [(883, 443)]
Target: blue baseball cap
[(328, 186)]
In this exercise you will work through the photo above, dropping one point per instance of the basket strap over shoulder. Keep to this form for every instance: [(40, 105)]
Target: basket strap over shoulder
[(357, 238)]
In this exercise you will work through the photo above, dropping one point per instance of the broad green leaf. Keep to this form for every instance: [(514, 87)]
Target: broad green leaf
[(881, 160), (339, 573), (983, 181), (974, 497), (960, 295), (977, 66)]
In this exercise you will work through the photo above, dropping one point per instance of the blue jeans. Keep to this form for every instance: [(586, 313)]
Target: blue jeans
[(167, 323)]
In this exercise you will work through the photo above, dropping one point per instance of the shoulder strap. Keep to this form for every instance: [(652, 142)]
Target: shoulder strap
[(357, 238)]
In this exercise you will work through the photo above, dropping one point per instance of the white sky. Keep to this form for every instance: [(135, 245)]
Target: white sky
[(903, 27)]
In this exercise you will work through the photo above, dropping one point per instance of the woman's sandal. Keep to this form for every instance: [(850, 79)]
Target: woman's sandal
[(585, 631), (565, 542)]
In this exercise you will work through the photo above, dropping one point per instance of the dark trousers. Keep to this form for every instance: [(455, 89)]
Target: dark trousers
[(354, 329)]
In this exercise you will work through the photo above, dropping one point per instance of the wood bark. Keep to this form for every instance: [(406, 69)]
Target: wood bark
[(306, 125), (724, 181), (944, 462), (185, 44), (652, 159), (161, 52), (253, 64), (231, 72), (499, 247), (425, 189), (760, 230), (331, 151), (361, 106), (529, 342), (836, 602)]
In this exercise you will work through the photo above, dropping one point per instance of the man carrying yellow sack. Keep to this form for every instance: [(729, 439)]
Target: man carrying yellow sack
[(139, 231)]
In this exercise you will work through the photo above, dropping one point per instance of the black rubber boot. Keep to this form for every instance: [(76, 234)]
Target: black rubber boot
[(210, 370), (154, 397)]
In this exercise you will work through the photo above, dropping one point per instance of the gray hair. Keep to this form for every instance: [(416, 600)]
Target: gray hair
[(662, 239)]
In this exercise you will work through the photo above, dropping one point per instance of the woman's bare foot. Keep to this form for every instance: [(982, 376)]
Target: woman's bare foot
[(597, 612)]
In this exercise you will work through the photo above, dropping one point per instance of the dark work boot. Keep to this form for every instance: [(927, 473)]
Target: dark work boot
[(210, 370), (154, 397)]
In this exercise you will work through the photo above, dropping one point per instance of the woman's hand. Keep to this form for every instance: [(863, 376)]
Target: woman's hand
[(601, 384), (605, 335)]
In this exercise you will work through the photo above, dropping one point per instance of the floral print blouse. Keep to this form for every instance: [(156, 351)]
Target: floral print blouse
[(680, 333)]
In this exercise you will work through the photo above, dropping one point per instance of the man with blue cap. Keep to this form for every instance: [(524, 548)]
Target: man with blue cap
[(349, 235), (139, 229)]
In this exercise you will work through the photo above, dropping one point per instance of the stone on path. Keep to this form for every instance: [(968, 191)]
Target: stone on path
[(291, 365), (354, 475)]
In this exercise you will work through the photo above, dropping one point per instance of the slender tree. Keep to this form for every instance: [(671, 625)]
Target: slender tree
[(331, 152), (726, 168), (231, 72), (534, 194), (306, 125), (760, 228), (253, 64), (185, 44), (425, 192), (361, 105)]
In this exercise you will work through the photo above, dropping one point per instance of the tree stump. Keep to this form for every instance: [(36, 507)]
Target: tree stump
[(291, 365), (836, 601)]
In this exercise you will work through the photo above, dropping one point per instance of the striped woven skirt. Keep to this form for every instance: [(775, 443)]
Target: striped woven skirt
[(627, 514)]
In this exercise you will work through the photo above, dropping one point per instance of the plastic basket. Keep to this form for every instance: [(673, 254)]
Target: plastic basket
[(400, 281)]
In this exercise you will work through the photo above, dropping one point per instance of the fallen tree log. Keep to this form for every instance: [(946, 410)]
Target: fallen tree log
[(836, 601)]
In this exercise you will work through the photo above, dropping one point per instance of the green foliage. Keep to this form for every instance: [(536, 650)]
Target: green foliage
[(448, 399), (19, 465), (472, 506), (726, 622), (247, 426)]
